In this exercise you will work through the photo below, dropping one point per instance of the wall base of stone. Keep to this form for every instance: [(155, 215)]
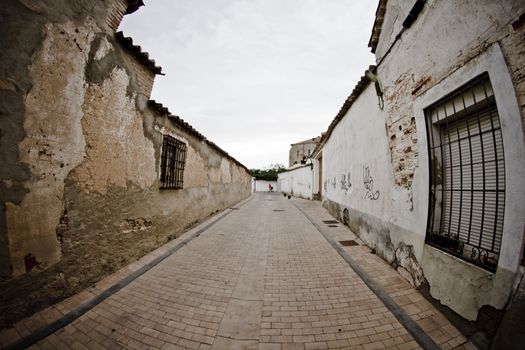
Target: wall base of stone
[(99, 253), (380, 236)]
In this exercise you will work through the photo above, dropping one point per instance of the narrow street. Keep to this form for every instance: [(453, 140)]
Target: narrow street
[(261, 275)]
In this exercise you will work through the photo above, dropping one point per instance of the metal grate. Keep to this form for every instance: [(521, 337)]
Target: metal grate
[(349, 243), (467, 174), (330, 221), (172, 163)]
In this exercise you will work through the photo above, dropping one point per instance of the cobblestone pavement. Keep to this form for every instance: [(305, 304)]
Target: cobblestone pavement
[(263, 277)]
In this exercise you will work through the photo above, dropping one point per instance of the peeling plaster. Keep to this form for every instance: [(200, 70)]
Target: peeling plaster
[(103, 49), (53, 144), (226, 176), (110, 121)]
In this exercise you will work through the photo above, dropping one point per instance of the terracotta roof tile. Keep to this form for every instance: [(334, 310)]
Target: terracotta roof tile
[(164, 111), (378, 23), (136, 51)]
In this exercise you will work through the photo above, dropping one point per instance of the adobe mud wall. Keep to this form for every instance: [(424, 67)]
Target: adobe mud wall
[(80, 151)]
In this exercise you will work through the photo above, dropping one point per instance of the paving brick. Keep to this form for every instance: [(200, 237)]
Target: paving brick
[(266, 280)]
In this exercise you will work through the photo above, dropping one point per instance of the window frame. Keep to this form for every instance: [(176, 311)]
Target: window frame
[(477, 254), (172, 163)]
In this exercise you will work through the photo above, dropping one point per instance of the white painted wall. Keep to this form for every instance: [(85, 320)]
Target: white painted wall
[(262, 185), (449, 44), (357, 172), (488, 288), (297, 182)]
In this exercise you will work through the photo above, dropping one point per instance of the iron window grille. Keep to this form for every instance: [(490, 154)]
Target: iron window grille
[(172, 163), (467, 174)]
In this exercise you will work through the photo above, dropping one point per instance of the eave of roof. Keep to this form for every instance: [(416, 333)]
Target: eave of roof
[(312, 140), (164, 111), (133, 5), (295, 167), (358, 89), (378, 23), (135, 50)]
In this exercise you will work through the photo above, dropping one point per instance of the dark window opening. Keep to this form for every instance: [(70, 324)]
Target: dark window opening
[(467, 174), (172, 163)]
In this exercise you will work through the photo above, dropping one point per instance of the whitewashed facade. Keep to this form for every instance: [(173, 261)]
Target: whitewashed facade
[(264, 185), (297, 181), (434, 180)]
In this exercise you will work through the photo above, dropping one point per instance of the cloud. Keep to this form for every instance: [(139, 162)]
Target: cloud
[(255, 76)]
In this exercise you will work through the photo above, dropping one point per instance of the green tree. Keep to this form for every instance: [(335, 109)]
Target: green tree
[(268, 173)]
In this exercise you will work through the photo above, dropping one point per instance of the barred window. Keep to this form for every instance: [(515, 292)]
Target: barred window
[(172, 163), (467, 174)]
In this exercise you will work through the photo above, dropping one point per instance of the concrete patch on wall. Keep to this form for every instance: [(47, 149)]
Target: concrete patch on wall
[(386, 240), (54, 143), (464, 287), (111, 121)]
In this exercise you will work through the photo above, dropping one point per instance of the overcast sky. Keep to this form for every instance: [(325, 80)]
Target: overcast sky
[(254, 76)]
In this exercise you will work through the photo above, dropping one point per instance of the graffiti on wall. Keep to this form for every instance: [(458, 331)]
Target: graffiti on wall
[(368, 181), (346, 185)]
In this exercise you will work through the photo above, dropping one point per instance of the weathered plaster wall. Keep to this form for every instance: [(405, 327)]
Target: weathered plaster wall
[(297, 182), (53, 145), (417, 66), (80, 191), (357, 186)]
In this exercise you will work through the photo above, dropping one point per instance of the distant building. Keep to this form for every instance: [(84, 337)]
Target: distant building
[(301, 150)]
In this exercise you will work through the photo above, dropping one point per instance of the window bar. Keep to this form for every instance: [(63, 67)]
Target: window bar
[(496, 164), (484, 185), (471, 171), (184, 149), (178, 166), (432, 184), (170, 164), (451, 186), (442, 219), (162, 163), (460, 173)]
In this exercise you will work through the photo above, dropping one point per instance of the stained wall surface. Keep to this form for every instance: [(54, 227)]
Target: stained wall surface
[(448, 45), (80, 148)]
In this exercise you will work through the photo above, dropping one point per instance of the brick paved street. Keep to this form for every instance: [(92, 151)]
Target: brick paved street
[(263, 277)]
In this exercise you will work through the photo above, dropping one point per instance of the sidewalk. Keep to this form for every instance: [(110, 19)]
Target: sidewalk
[(258, 276)]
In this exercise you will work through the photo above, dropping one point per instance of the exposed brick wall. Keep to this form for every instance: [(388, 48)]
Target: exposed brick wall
[(513, 47), (400, 123), (145, 77), (401, 131)]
